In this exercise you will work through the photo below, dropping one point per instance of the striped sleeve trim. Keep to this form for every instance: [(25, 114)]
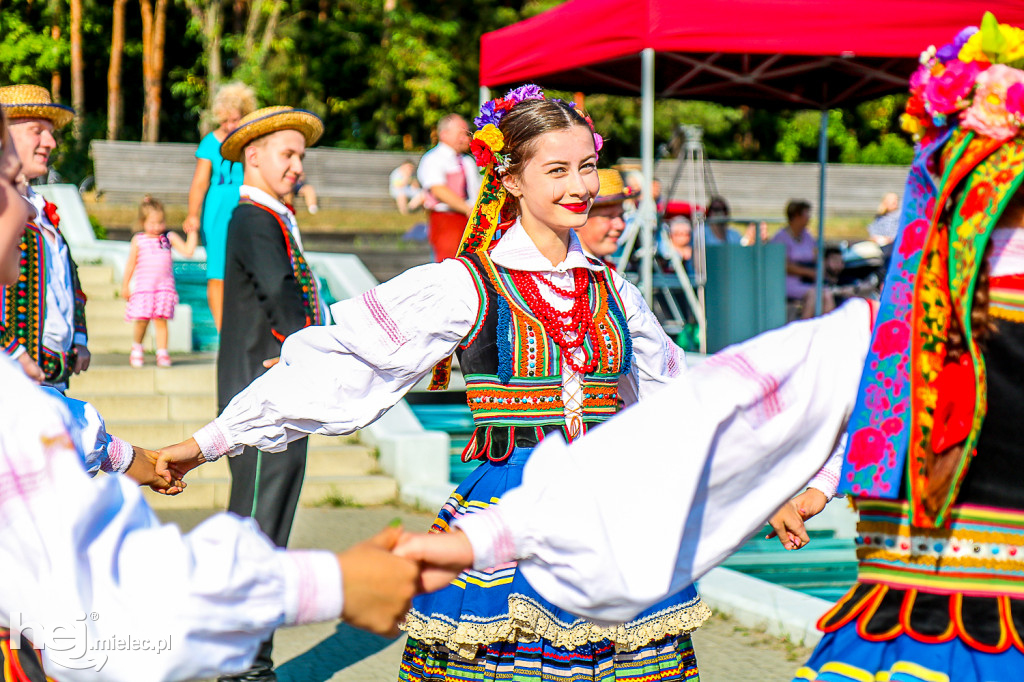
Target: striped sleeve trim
[(313, 591)]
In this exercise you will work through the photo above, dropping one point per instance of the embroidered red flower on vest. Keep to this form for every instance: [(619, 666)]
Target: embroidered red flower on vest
[(51, 214)]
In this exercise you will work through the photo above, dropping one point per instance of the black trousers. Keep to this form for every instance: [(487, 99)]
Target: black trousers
[(276, 491)]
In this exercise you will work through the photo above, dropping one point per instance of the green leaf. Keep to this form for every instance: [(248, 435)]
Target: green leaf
[(992, 41)]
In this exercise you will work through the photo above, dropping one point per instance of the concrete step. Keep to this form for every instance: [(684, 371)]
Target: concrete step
[(153, 434), (101, 291), (95, 274), (161, 433), (346, 460), (316, 490), (128, 407), (181, 379), (112, 339)]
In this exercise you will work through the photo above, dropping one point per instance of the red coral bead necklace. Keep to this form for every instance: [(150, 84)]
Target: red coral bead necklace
[(568, 335)]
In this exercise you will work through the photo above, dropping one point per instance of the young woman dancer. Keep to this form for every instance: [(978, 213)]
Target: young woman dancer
[(548, 341), (929, 402)]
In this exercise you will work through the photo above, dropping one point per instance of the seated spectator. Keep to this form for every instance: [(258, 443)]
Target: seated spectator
[(600, 235), (680, 241), (405, 188), (886, 224), (801, 257), (718, 230)]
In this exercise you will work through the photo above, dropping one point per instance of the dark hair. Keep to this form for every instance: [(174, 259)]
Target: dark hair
[(530, 119), (717, 203), (795, 207), (831, 250)]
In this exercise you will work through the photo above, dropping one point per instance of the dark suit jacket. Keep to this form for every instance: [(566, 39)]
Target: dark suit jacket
[(261, 296)]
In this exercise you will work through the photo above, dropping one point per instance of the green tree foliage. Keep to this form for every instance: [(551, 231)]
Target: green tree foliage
[(381, 73)]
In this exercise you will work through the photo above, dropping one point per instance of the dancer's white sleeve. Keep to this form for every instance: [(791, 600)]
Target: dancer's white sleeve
[(650, 501), (92, 576), (100, 450), (338, 378), (656, 359)]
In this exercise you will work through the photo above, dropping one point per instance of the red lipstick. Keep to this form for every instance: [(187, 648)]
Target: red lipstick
[(576, 208)]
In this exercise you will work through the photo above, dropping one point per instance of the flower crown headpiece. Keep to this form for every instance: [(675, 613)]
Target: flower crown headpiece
[(487, 145), (488, 140), (975, 81)]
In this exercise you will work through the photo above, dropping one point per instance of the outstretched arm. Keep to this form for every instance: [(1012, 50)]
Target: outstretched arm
[(187, 246), (335, 379), (727, 443)]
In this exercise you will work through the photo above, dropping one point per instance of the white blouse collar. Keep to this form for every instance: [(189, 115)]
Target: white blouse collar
[(261, 197), (516, 251)]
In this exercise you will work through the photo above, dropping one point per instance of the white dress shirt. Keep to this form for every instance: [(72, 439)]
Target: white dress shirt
[(73, 546), (441, 162), (333, 380), (59, 324)]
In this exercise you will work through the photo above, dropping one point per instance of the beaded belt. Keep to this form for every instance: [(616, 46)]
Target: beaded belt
[(980, 554)]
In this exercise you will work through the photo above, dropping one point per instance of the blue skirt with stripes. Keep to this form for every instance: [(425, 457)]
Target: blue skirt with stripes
[(487, 619)]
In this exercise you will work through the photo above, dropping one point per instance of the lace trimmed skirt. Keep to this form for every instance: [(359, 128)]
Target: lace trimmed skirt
[(491, 625)]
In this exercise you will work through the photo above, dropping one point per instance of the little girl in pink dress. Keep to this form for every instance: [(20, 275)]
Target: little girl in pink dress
[(149, 279)]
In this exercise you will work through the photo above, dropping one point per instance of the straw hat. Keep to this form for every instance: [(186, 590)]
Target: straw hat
[(613, 189), (34, 101), (270, 120)]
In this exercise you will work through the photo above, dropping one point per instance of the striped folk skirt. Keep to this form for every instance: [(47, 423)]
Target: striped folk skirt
[(492, 625)]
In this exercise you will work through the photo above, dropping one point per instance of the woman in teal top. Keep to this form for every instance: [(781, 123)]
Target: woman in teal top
[(214, 190)]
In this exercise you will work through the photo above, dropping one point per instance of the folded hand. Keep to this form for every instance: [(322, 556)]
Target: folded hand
[(143, 471), (441, 556), (378, 585), (788, 522), (174, 461)]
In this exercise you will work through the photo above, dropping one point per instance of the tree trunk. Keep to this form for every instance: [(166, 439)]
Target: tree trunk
[(77, 75), (115, 99), (252, 24), (269, 30), (55, 6), (213, 63), (154, 22)]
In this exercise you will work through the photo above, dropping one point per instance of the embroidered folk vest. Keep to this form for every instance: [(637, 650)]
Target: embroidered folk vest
[(513, 369), (23, 308), (303, 273)]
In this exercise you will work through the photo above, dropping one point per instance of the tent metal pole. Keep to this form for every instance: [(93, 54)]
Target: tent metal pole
[(485, 94), (648, 211), (822, 164)]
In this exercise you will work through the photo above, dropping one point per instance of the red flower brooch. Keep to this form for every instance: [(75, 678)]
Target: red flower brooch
[(51, 214)]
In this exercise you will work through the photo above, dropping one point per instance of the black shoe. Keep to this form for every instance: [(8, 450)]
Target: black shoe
[(258, 673)]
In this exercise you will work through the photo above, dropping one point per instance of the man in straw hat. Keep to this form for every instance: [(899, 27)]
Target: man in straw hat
[(269, 293), (43, 324), (600, 235)]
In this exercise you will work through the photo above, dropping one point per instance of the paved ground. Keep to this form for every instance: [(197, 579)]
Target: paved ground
[(339, 653)]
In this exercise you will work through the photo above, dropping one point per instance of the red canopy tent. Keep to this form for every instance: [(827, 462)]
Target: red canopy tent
[(792, 53), (777, 53)]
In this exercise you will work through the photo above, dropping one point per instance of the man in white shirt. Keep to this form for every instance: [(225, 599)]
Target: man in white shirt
[(43, 325), (452, 180)]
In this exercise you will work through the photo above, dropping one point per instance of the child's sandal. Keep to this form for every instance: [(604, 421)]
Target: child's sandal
[(163, 358), (137, 357)]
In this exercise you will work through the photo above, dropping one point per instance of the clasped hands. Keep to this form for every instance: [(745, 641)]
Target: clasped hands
[(380, 576)]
